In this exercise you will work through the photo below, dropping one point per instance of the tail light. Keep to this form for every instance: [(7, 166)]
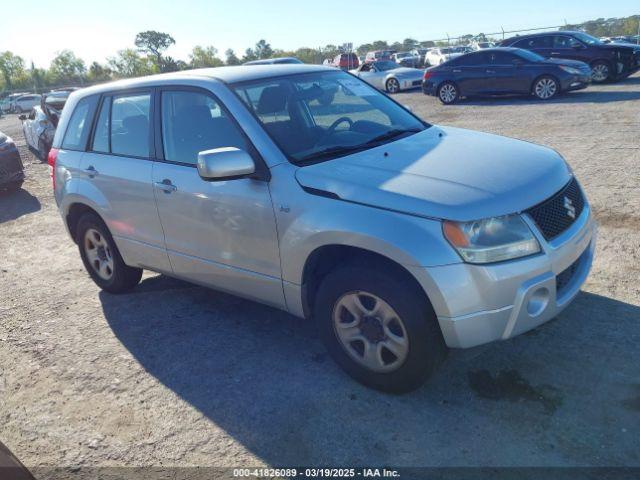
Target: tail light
[(427, 75), (51, 160)]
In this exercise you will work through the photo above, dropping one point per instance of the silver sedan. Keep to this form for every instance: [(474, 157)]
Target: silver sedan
[(388, 76)]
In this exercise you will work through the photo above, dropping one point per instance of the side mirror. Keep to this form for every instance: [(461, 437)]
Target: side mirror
[(225, 163), (22, 117)]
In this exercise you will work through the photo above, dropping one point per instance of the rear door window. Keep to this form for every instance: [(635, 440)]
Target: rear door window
[(563, 41), (129, 126), (75, 138)]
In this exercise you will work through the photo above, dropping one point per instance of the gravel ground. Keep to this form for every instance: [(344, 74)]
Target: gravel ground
[(174, 374)]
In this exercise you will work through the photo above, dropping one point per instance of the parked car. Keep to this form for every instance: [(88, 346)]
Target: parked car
[(388, 76), (379, 55), (482, 45), (274, 61), (401, 239), (11, 169), (437, 56), (346, 61), (505, 71), (607, 61), (420, 54), (26, 102), (7, 102), (39, 126), (406, 59)]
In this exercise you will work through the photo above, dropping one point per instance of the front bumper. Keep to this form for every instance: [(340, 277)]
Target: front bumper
[(477, 304), (575, 82)]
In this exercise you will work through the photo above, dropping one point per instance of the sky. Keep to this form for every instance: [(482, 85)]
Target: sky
[(95, 30)]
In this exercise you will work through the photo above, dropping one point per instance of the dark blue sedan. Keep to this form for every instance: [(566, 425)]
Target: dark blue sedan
[(504, 71)]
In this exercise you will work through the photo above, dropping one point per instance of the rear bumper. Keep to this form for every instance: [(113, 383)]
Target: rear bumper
[(477, 304), (429, 88), (11, 169)]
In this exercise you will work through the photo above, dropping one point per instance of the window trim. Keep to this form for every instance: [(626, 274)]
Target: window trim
[(129, 92), (262, 170)]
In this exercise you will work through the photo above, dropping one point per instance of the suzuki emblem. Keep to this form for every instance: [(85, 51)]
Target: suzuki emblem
[(571, 210)]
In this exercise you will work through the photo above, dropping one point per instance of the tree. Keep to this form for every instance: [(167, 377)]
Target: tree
[(409, 43), (154, 43), (37, 76), (66, 67), (232, 59), (98, 73), (12, 67), (263, 49), (202, 57), (129, 63), (249, 55)]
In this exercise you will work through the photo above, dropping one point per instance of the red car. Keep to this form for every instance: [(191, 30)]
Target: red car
[(346, 61)]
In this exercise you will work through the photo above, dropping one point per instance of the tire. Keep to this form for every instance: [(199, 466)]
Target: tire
[(101, 257), (448, 93), (545, 87), (43, 150), (417, 327), (11, 187), (600, 71), (392, 85)]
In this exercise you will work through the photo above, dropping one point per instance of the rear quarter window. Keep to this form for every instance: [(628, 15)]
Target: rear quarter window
[(77, 133)]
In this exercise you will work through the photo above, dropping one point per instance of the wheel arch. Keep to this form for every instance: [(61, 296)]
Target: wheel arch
[(327, 258), (74, 212)]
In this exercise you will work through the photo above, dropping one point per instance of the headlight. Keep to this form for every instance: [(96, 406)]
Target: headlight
[(492, 239), (571, 70)]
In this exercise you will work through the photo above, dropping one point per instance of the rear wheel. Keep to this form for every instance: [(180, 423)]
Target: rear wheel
[(43, 150), (101, 257), (545, 88), (378, 328), (448, 93), (600, 71), (393, 85)]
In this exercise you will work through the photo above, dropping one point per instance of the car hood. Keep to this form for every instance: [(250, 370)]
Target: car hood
[(444, 172)]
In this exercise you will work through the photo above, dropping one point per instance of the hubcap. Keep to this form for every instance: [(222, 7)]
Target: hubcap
[(448, 93), (546, 88), (370, 331), (600, 73), (393, 86), (98, 253)]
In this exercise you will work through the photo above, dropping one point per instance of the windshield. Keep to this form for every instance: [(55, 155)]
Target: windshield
[(385, 65), (318, 116), (588, 39), (529, 55)]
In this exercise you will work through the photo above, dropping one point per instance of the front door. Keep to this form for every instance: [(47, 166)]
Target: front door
[(217, 233)]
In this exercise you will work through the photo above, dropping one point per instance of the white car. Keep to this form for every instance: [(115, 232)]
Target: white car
[(26, 102), (437, 56), (386, 75), (482, 45)]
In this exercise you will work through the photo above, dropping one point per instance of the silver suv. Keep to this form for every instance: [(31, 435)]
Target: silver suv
[(306, 189)]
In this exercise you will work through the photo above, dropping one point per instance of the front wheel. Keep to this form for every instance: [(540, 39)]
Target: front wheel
[(378, 328), (448, 93), (545, 88), (101, 257), (393, 85)]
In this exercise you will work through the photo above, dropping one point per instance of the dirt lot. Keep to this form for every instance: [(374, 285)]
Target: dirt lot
[(174, 374)]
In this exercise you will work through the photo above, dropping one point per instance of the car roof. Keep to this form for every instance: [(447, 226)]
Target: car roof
[(541, 34), (233, 74), (270, 61)]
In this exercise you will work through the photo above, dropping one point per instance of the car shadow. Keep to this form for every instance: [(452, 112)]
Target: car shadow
[(580, 96), (15, 204), (263, 376)]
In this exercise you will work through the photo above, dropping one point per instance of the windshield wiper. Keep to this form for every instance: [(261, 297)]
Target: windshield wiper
[(391, 134), (330, 152)]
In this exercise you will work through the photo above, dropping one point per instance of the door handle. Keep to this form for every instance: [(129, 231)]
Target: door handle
[(555, 53), (91, 171), (166, 186), (457, 70), (491, 71)]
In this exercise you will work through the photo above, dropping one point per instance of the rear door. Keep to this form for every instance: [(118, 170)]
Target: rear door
[(508, 77), (541, 44), (119, 166), (217, 233)]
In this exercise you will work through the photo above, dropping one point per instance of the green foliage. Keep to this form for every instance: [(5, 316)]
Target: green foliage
[(129, 63), (12, 68), (609, 27), (232, 59), (263, 50), (67, 68), (202, 57)]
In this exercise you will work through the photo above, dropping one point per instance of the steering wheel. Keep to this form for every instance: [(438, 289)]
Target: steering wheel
[(331, 130)]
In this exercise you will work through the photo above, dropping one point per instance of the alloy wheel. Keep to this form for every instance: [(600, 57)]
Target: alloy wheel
[(600, 72), (370, 331), (448, 93), (546, 88), (393, 86), (98, 253)]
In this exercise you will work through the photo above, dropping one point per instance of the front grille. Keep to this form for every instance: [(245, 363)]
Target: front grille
[(554, 216), (563, 279), (416, 83)]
